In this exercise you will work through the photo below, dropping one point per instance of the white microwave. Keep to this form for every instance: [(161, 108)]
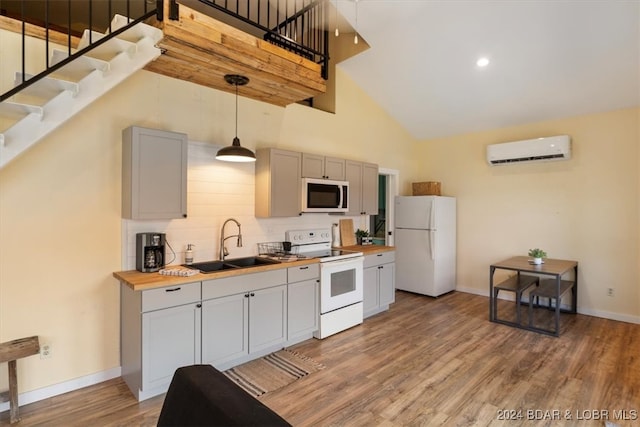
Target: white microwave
[(324, 195)]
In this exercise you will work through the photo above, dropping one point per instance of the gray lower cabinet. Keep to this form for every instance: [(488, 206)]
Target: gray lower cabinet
[(303, 296), (222, 322), (160, 331), (170, 339), (378, 282), (225, 330), (240, 326)]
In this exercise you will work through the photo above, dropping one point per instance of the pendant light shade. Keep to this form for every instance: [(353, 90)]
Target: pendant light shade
[(235, 152)]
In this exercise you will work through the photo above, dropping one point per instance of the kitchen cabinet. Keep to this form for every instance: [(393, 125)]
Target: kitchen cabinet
[(160, 331), (243, 317), (303, 294), (154, 174), (316, 166), (277, 183), (363, 188), (378, 282)]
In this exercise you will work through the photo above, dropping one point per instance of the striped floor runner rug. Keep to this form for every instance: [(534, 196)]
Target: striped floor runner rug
[(272, 372)]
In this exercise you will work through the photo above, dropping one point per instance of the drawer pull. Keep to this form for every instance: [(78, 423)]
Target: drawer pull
[(172, 289), (379, 255), (304, 268)]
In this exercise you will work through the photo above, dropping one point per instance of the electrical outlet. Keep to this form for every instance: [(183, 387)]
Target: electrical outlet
[(610, 292), (45, 351)]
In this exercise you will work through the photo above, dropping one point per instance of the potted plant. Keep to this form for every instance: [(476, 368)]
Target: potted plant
[(537, 255), (362, 237)]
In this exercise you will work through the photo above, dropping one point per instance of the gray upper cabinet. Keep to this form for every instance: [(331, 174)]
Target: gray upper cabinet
[(315, 166), (154, 174), (278, 191), (363, 188)]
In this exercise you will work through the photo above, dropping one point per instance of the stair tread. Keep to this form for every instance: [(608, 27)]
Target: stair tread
[(77, 69), (17, 109), (137, 32), (107, 50)]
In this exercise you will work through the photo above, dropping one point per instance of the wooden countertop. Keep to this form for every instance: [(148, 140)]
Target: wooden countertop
[(369, 249), (144, 281)]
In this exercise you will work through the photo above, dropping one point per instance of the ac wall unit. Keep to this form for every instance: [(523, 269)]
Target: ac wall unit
[(530, 150)]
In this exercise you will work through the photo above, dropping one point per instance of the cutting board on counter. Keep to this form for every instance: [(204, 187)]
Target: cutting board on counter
[(347, 235)]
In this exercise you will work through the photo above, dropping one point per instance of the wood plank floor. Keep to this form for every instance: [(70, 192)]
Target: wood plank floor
[(425, 362)]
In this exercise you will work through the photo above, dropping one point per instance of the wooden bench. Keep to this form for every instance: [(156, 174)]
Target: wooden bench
[(10, 352), (517, 284), (547, 289)]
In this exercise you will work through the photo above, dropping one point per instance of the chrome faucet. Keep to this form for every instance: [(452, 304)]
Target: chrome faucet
[(223, 250)]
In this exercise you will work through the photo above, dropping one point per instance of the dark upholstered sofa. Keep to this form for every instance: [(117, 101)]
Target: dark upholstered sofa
[(200, 395)]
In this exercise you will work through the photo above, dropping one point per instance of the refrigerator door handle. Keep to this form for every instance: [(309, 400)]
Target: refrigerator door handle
[(432, 216), (432, 249)]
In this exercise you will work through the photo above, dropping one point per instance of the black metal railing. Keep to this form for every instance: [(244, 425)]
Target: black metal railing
[(295, 25), (70, 18)]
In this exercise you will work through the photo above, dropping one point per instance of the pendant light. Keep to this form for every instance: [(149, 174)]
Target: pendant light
[(234, 152)]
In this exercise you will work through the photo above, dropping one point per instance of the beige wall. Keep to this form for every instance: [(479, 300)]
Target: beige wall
[(584, 209), (60, 225)]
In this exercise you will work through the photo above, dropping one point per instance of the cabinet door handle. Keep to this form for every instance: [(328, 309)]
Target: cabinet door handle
[(246, 295), (172, 289), (252, 294), (198, 305)]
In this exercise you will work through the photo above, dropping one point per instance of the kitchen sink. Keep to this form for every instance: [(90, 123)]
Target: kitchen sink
[(230, 264), (251, 261)]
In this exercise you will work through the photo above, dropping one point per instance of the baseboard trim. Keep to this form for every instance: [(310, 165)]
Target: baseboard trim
[(64, 387), (586, 311)]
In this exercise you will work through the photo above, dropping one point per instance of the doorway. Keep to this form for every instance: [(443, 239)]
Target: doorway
[(381, 225)]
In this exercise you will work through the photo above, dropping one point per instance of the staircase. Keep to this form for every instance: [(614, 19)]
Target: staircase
[(39, 109)]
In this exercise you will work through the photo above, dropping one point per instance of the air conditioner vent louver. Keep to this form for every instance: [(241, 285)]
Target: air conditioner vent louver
[(532, 150)]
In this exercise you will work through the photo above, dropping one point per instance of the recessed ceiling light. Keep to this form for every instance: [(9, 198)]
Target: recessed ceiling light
[(482, 62)]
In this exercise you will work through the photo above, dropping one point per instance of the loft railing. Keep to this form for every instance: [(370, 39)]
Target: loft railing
[(70, 18), (294, 25)]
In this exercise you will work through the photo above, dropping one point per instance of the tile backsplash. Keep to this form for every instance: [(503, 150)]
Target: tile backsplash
[(216, 191)]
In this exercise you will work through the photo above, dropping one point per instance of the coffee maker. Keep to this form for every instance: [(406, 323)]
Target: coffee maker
[(149, 252)]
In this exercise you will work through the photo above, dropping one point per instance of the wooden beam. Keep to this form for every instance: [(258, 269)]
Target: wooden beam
[(202, 50)]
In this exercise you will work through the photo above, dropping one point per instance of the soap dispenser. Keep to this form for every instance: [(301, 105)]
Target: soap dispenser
[(188, 254)]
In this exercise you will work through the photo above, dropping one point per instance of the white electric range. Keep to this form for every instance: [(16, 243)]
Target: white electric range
[(341, 276)]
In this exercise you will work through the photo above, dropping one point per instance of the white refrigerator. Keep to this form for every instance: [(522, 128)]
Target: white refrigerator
[(425, 239)]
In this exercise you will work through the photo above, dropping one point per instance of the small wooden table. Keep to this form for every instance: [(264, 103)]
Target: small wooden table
[(552, 289)]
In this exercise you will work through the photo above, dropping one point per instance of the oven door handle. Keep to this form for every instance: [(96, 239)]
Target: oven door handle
[(340, 263)]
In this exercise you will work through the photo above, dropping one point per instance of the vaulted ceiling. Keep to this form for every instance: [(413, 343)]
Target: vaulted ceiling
[(547, 59)]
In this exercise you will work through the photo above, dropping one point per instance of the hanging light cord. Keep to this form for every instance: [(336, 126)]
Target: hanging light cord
[(236, 109)]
